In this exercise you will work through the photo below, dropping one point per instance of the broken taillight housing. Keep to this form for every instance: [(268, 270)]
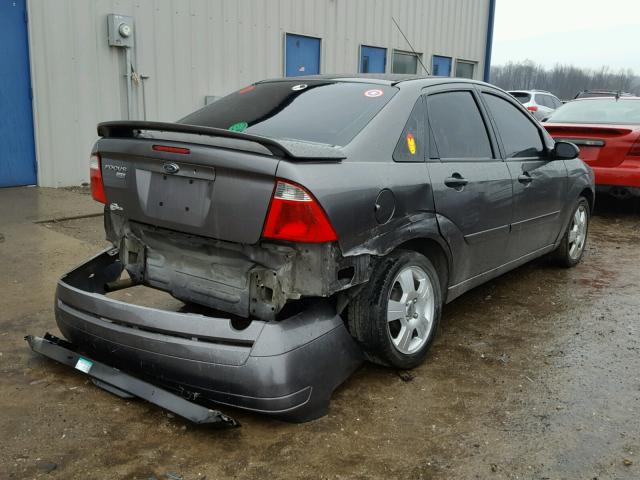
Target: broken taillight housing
[(95, 174), (296, 216)]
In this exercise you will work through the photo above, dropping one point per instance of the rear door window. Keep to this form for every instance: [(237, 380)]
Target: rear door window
[(457, 126), (519, 135), (547, 101), (542, 100), (309, 110)]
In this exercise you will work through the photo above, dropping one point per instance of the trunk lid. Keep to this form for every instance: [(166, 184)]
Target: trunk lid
[(212, 192), (205, 181), (600, 145)]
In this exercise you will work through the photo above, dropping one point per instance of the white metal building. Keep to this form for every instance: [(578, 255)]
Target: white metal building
[(183, 51)]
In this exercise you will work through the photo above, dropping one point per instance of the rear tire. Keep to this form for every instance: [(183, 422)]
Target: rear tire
[(396, 315), (572, 246)]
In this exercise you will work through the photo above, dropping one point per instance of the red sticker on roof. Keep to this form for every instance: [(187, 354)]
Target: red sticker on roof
[(373, 93)]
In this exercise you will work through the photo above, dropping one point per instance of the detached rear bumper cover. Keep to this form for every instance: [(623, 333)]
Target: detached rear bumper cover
[(288, 368), (123, 385)]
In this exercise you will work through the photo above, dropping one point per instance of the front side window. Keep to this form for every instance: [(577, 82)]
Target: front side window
[(457, 126), (411, 144), (405, 62), (520, 136), (309, 110)]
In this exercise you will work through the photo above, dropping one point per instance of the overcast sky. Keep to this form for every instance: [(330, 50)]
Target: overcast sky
[(584, 33)]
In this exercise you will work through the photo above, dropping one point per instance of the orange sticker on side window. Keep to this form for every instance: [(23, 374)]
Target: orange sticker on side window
[(411, 143)]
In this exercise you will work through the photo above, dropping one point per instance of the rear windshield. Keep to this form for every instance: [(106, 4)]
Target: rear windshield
[(605, 110), (312, 110), (595, 94), (521, 96)]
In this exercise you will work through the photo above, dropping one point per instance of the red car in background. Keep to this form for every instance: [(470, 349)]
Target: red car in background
[(607, 131)]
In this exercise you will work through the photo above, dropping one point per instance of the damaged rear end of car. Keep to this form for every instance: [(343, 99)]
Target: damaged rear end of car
[(198, 209)]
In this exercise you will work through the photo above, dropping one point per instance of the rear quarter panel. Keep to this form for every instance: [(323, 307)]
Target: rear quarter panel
[(347, 190)]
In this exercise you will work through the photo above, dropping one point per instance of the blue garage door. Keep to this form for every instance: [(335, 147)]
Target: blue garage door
[(17, 154), (372, 59), (302, 55), (441, 66)]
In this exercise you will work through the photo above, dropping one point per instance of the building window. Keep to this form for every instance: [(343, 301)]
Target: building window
[(441, 66), (372, 59), (465, 69), (301, 55), (405, 62)]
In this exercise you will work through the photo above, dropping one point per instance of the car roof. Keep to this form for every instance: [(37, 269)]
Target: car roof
[(530, 91), (600, 99), (396, 79)]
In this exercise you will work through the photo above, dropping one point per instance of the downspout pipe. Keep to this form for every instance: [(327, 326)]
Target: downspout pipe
[(487, 51), (129, 75)]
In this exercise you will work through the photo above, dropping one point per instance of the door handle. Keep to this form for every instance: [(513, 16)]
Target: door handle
[(525, 178), (456, 181)]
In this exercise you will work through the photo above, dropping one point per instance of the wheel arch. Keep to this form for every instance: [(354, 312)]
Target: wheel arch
[(590, 196), (436, 254)]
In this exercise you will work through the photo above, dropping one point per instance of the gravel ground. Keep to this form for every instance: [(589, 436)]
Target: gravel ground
[(535, 375)]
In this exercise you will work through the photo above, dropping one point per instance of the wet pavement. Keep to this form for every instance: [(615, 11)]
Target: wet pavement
[(535, 375)]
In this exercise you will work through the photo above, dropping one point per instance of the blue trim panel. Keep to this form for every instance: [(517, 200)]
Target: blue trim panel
[(302, 55), (17, 149), (487, 54)]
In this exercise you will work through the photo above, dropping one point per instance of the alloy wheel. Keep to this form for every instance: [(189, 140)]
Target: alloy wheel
[(410, 310), (578, 232)]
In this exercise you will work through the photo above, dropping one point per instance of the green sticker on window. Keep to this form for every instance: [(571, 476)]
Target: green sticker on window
[(239, 127)]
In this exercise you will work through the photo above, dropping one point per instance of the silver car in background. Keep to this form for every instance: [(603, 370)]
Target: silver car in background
[(540, 103)]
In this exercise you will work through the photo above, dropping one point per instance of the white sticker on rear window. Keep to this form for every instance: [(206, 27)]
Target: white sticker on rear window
[(84, 365), (373, 93), (301, 86)]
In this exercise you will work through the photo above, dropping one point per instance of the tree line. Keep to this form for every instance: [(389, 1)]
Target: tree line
[(564, 81)]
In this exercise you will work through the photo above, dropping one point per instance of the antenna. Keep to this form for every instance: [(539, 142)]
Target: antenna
[(411, 46)]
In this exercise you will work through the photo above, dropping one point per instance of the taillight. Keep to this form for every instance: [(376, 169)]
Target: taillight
[(296, 216), (532, 108), (634, 151), (95, 174)]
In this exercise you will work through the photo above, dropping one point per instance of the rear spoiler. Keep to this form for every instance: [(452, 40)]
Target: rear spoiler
[(296, 150)]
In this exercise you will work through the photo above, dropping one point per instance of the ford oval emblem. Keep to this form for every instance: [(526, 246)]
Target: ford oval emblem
[(171, 168)]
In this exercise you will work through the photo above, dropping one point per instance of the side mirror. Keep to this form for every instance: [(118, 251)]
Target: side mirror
[(565, 151)]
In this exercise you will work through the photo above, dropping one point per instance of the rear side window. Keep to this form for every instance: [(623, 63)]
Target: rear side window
[(520, 136), (308, 110), (457, 126), (411, 144), (521, 96), (546, 100), (542, 100)]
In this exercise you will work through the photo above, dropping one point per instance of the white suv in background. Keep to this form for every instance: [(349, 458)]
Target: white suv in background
[(540, 103)]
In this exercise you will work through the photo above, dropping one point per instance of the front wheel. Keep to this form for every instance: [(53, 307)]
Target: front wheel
[(396, 315), (571, 248)]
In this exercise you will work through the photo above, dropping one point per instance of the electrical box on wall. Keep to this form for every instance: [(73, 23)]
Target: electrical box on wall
[(120, 30)]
